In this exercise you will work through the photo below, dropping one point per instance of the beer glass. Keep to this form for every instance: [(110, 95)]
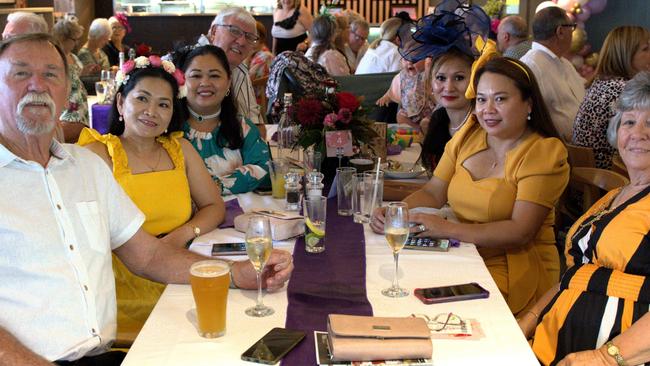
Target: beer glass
[(259, 247), (210, 280), (396, 229)]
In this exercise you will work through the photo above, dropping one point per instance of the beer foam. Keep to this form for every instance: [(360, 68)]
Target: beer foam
[(209, 268)]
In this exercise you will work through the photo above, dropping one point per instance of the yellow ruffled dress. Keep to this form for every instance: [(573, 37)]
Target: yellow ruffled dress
[(164, 198)]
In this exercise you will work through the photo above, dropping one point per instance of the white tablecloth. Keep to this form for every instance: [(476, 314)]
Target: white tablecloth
[(170, 337)]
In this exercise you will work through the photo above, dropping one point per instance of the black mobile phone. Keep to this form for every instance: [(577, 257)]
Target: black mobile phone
[(466, 291), (273, 346), (228, 249)]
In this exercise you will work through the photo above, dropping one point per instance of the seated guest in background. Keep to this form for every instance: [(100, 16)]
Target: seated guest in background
[(382, 54), (59, 305), (502, 174), (342, 33), (598, 313), (75, 115), (416, 101), (233, 30), (231, 146), (322, 50), (357, 43), (451, 72), (158, 169), (512, 37), (290, 26), (23, 22), (260, 62), (91, 53), (625, 52), (119, 27), (561, 85)]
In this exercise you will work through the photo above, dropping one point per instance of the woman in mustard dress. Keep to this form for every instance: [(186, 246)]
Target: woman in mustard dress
[(598, 313), (502, 174), (159, 170)]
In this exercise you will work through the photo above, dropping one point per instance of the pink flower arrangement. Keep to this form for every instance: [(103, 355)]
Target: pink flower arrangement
[(330, 120)]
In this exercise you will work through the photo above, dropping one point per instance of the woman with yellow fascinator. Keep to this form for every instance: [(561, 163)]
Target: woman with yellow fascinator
[(502, 174)]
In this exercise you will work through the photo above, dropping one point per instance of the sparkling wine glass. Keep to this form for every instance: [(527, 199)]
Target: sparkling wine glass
[(259, 246), (396, 229)]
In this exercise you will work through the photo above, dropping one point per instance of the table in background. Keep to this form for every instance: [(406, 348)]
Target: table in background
[(170, 337)]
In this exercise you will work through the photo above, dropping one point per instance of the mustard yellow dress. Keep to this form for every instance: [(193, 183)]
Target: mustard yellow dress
[(536, 170), (164, 198)]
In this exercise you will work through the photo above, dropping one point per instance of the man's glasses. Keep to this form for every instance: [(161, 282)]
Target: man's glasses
[(358, 37), (570, 25), (238, 32)]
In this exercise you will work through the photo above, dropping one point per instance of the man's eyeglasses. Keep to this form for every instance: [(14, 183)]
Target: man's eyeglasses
[(238, 32), (570, 25), (359, 37)]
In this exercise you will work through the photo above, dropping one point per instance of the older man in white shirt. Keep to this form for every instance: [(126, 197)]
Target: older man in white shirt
[(562, 87), (62, 216)]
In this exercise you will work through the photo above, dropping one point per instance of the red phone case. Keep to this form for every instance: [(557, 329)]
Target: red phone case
[(482, 294)]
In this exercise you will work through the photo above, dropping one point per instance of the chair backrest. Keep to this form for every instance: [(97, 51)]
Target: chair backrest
[(594, 182), (618, 166), (580, 156), (371, 86)]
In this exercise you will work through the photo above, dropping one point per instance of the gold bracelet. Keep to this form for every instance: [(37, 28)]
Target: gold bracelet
[(532, 312)]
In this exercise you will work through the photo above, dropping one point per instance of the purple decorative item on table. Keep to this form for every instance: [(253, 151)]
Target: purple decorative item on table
[(100, 117)]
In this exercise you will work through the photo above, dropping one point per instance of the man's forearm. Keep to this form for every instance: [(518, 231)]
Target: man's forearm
[(12, 352)]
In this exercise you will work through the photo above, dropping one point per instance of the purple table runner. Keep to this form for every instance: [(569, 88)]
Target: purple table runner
[(332, 282)]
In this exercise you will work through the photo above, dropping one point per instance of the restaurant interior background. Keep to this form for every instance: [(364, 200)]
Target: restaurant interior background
[(164, 23)]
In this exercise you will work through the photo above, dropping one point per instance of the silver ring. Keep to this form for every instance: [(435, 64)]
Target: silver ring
[(422, 228)]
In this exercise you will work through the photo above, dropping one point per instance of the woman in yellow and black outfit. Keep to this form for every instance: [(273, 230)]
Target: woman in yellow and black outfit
[(597, 315)]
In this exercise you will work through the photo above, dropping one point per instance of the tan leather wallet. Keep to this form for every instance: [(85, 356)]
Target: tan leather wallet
[(368, 338)]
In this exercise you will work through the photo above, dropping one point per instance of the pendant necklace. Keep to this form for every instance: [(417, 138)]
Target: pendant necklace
[(202, 117)]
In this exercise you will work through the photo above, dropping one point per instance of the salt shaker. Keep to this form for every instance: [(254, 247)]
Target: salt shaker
[(314, 183)]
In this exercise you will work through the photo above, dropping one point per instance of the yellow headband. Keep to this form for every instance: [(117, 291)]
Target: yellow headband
[(520, 66)]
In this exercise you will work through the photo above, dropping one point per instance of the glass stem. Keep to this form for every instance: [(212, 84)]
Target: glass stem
[(395, 281), (259, 289)]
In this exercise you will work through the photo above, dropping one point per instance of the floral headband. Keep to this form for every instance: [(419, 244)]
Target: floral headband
[(143, 62)]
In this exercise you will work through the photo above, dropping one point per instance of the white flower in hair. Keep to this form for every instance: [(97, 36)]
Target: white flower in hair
[(168, 66), (182, 91), (141, 62)]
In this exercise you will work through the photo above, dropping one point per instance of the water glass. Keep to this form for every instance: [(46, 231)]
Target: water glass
[(315, 212), (373, 192), (358, 214), (344, 188), (100, 91)]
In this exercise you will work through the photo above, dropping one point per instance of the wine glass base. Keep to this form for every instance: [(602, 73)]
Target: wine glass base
[(395, 292), (259, 311)]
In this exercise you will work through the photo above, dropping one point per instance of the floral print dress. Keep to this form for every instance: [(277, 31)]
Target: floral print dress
[(236, 170), (77, 110)]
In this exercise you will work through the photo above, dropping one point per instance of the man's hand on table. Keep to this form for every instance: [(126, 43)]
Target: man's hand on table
[(276, 272)]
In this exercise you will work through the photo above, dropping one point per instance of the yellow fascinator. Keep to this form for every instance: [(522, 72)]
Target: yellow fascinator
[(488, 51)]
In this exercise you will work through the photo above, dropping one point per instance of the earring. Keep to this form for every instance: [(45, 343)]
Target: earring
[(120, 118), (528, 118), (228, 92), (165, 132)]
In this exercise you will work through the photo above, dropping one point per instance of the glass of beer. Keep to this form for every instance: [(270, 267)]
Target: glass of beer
[(259, 246), (396, 229), (210, 280)]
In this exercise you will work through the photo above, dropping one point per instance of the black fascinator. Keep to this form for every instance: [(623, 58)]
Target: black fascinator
[(452, 24)]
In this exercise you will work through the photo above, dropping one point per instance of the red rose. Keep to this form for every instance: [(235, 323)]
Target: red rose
[(309, 111), (345, 115), (347, 100)]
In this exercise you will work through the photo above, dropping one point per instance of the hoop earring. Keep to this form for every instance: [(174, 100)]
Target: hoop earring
[(228, 92)]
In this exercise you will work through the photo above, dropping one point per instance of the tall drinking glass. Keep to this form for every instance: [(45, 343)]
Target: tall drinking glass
[(259, 247), (396, 229)]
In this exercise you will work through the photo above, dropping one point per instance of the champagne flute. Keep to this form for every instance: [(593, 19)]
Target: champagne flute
[(259, 246), (396, 229)]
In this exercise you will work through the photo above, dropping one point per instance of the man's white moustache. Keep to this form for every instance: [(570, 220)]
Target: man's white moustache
[(36, 98)]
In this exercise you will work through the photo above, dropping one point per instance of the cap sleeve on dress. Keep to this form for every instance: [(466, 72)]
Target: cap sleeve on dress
[(113, 146), (543, 173)]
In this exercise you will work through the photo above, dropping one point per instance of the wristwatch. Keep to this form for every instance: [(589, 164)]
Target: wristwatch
[(613, 351), (196, 230)]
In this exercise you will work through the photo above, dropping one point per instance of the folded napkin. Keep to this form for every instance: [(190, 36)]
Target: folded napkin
[(233, 209)]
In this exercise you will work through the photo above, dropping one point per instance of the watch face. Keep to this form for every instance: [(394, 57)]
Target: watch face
[(612, 350)]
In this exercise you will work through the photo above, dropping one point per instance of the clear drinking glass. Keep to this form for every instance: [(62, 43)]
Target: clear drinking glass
[(259, 246), (396, 229), (100, 91)]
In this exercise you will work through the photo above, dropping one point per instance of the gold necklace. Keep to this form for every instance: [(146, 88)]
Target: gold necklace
[(144, 161)]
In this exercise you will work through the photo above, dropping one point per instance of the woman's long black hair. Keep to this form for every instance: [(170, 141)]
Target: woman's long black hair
[(230, 134), (116, 126)]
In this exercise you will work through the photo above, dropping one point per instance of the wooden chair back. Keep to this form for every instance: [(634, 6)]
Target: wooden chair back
[(618, 166), (580, 156), (594, 182)]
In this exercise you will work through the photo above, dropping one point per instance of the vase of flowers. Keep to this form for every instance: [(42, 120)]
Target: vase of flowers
[(316, 114)]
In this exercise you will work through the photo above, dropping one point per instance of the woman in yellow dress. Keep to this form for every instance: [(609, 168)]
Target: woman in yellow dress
[(598, 314), (159, 170), (502, 174)]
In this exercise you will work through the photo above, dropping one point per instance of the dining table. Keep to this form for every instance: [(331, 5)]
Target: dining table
[(347, 278)]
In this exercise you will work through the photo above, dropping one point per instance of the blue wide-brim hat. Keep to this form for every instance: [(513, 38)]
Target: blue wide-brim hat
[(453, 24)]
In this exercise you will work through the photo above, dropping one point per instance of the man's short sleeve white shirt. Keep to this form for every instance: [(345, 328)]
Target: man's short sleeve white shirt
[(58, 227)]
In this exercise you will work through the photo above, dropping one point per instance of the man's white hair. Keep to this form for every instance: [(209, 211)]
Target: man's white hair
[(236, 12), (99, 28), (36, 23)]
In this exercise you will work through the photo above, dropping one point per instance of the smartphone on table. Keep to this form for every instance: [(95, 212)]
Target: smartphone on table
[(228, 249), (436, 295), (273, 346)]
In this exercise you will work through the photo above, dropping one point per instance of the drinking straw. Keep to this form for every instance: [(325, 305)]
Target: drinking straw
[(374, 188), (270, 154)]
